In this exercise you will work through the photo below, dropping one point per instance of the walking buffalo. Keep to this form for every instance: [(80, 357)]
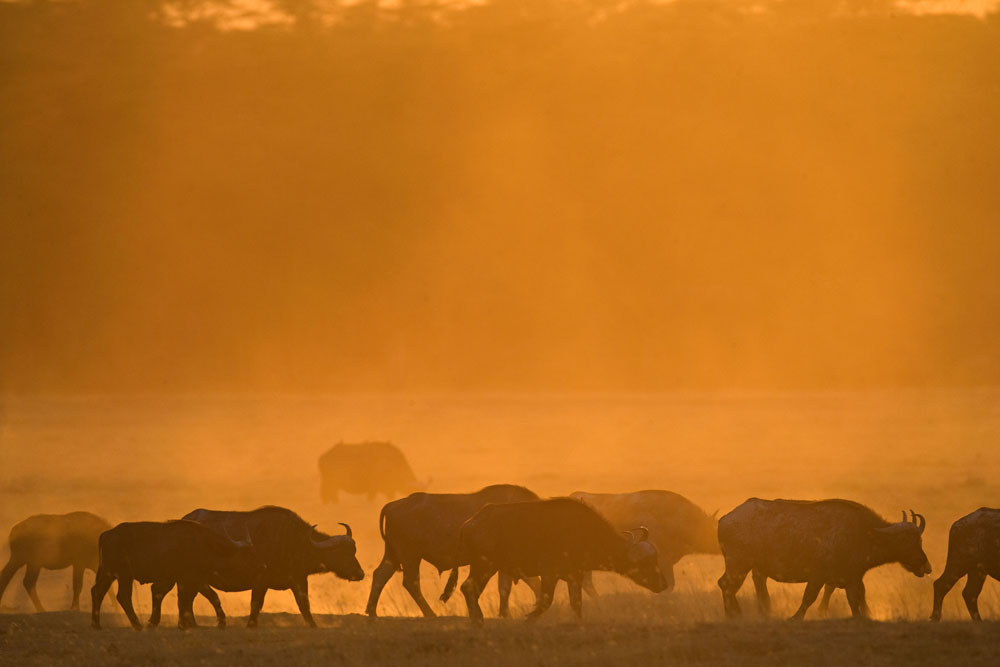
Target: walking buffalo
[(425, 526), (814, 542), (561, 538), (371, 468), (53, 542), (290, 549), (678, 526), (181, 552), (973, 550)]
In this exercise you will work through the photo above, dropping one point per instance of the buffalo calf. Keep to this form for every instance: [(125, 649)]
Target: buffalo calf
[(181, 552), (560, 538)]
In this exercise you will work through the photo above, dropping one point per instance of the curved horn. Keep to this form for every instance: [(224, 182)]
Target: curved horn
[(919, 521), (904, 517), (347, 527), (630, 535), (643, 533)]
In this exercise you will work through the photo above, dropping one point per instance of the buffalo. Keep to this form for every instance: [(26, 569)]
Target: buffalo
[(369, 468), (678, 526), (425, 526), (290, 549), (821, 542), (973, 550), (53, 542), (181, 552), (560, 538)]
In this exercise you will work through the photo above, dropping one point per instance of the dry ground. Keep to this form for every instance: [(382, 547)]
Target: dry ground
[(160, 457), (63, 638)]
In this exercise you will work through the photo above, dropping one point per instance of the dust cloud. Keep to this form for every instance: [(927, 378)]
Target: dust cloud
[(723, 248), (563, 196)]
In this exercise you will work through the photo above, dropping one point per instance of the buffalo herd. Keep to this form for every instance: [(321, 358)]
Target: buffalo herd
[(508, 531)]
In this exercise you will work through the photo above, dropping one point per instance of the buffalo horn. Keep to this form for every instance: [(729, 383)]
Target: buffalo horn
[(347, 527), (905, 520), (919, 521), (643, 533)]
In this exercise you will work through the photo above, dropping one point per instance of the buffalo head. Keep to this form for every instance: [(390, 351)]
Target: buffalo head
[(245, 558), (903, 542), (337, 554), (642, 562)]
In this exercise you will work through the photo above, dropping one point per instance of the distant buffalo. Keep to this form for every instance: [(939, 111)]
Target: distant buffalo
[(677, 526), (162, 554), (555, 539), (290, 549), (369, 468), (54, 542), (820, 542), (973, 550), (425, 526)]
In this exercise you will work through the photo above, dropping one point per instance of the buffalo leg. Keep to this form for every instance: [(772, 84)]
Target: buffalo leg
[(77, 587), (730, 583), (256, 603), (411, 582), (125, 600), (824, 603), (380, 577), (944, 583), (12, 566), (479, 574), (588, 584), (545, 597), (763, 597), (97, 593), (160, 590), (856, 598), (575, 585), (300, 589), (30, 581), (973, 587), (185, 606), (812, 592), (505, 583), (209, 594)]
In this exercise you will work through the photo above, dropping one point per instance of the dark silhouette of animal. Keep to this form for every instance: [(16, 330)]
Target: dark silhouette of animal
[(973, 550), (53, 542), (369, 468), (813, 542), (165, 553), (425, 526), (560, 538), (677, 526), (290, 549)]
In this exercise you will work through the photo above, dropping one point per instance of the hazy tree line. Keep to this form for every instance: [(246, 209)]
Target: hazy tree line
[(518, 194)]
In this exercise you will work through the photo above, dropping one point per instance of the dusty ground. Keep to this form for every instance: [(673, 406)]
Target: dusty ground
[(160, 457), (63, 638)]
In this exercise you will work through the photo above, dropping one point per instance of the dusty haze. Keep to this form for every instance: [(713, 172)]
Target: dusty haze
[(722, 248), (553, 196)]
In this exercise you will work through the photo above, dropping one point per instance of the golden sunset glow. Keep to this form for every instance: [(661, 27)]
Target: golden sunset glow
[(725, 249)]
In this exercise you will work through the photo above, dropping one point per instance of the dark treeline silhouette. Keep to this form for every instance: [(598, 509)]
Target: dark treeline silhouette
[(555, 195)]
